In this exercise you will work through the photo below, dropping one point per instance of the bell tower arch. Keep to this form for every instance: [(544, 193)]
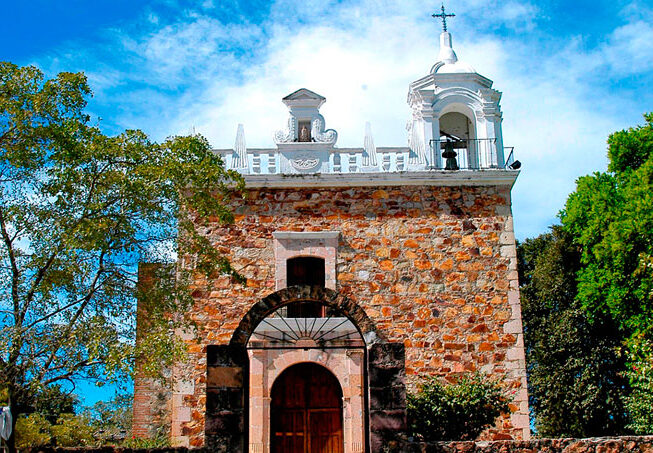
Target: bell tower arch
[(454, 86)]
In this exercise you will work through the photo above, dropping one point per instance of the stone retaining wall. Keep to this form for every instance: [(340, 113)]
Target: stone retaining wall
[(643, 444), (638, 444)]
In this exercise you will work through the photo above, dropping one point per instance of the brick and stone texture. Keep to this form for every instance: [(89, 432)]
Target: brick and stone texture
[(633, 444), (433, 267), (152, 396)]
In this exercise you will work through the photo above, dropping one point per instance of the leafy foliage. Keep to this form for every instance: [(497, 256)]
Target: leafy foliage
[(72, 431), (111, 420), (32, 431), (69, 430), (640, 373), (574, 364), (587, 297), (459, 411), (78, 212), (630, 149), (52, 401), (610, 217)]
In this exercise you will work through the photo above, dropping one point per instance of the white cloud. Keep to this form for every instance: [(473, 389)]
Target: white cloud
[(363, 55), (629, 49)]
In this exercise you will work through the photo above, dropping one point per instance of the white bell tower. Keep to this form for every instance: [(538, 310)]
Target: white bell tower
[(454, 107)]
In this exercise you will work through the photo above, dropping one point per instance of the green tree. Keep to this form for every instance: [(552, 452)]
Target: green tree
[(78, 211), (574, 364), (640, 372), (610, 217), (32, 430), (630, 149), (111, 420), (459, 411), (69, 430), (52, 401), (72, 431)]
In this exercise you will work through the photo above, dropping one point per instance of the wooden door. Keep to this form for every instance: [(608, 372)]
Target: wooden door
[(306, 412)]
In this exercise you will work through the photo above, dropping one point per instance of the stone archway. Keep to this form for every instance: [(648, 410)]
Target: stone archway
[(228, 374), (327, 296)]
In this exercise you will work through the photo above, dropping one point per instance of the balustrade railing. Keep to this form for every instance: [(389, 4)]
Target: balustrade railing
[(453, 155), (469, 154)]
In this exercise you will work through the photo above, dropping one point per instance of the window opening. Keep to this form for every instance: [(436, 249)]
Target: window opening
[(330, 330), (305, 270)]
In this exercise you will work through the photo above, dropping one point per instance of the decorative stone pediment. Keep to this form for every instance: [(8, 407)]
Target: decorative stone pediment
[(306, 124), (304, 97)]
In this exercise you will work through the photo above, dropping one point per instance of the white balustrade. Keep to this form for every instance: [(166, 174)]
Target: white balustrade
[(471, 155)]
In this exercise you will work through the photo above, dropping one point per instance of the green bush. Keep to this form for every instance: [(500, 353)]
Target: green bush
[(134, 442), (32, 430), (640, 374), (72, 431), (459, 411)]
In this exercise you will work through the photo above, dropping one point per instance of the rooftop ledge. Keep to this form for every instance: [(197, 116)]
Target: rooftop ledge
[(469, 162), (404, 178)]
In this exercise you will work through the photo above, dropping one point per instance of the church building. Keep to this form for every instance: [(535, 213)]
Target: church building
[(367, 269)]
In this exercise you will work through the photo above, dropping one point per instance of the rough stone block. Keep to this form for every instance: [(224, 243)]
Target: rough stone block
[(224, 377), (388, 355), (508, 251), (223, 399), (387, 398), (225, 355), (386, 377), (388, 420), (513, 326), (231, 422)]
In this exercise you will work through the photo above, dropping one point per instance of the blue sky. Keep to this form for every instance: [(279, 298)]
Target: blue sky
[(570, 72)]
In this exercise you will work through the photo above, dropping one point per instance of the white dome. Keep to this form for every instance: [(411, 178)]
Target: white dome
[(452, 68), (448, 60)]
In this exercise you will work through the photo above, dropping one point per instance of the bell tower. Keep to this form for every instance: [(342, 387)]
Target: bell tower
[(455, 108)]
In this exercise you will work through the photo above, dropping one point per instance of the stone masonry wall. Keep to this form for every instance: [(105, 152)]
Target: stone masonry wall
[(634, 444), (151, 405), (434, 267)]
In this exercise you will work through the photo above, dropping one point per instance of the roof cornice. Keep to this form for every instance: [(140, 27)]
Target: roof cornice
[(412, 178)]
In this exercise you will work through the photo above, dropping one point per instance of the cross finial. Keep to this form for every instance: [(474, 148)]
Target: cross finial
[(443, 16)]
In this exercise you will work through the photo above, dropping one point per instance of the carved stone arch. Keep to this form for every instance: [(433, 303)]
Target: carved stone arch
[(464, 110), (328, 297), (228, 374), (459, 100)]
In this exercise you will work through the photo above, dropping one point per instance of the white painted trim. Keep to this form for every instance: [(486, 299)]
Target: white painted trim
[(306, 234), (406, 178), (304, 146)]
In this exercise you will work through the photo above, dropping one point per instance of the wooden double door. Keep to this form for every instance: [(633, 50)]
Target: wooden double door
[(306, 411)]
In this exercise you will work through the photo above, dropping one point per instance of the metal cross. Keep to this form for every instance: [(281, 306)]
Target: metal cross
[(443, 16)]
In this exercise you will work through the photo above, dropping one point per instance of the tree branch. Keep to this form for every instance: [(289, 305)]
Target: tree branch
[(75, 317)]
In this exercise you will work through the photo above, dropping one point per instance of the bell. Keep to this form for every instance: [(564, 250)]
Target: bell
[(450, 155)]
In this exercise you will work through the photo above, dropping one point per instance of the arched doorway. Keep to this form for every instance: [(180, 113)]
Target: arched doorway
[(240, 375), (307, 381), (306, 411)]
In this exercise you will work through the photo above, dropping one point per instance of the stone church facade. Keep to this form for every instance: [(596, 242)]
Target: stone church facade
[(366, 269)]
